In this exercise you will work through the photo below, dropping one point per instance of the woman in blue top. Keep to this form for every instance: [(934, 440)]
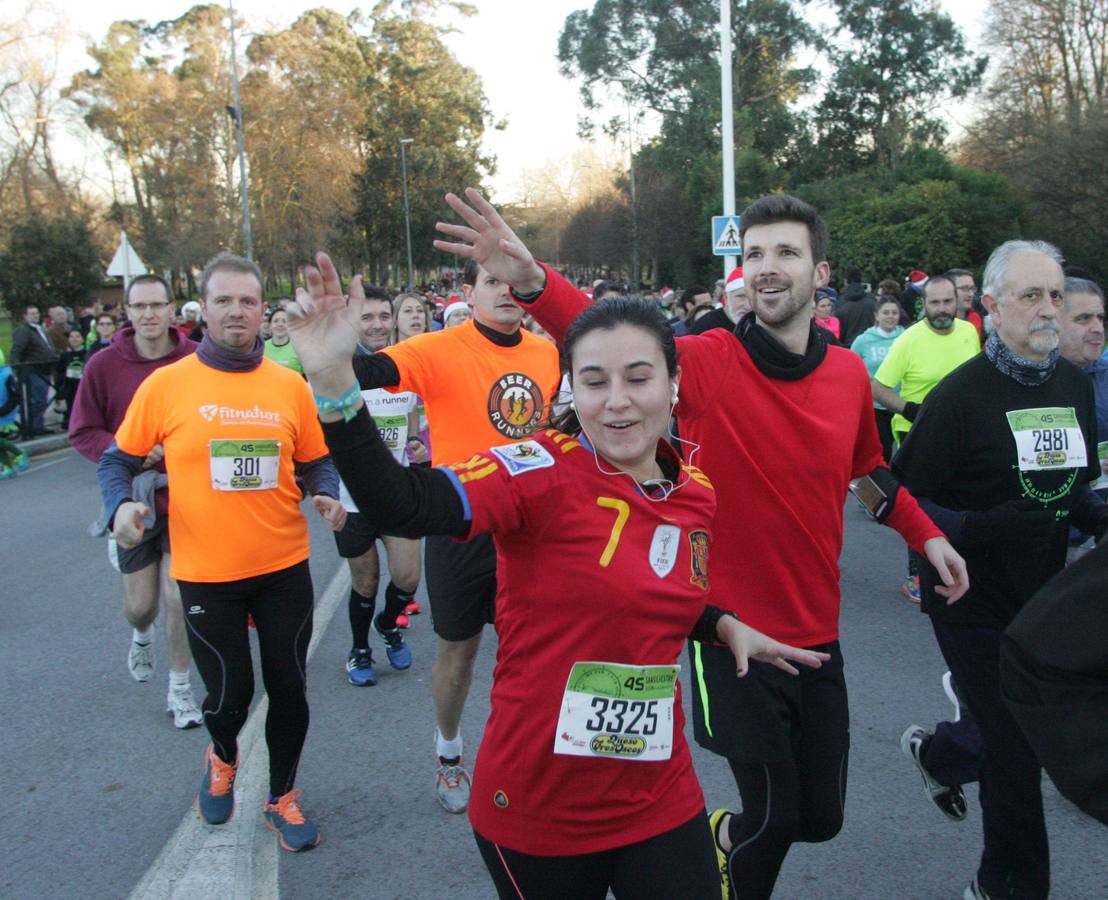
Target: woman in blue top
[(873, 345)]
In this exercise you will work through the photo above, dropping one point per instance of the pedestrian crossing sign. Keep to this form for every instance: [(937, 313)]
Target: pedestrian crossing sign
[(725, 236)]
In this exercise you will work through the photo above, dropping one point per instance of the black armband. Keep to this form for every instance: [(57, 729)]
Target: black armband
[(910, 411), (704, 630), (526, 298), (877, 492)]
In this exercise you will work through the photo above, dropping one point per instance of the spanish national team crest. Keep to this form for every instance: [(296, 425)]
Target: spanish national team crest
[(698, 558), (515, 405), (663, 549), (523, 457)]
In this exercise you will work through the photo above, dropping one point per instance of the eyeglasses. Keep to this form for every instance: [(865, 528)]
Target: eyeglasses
[(143, 308)]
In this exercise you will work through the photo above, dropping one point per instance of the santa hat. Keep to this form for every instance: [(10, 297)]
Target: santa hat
[(735, 280), (667, 294), (917, 278), (453, 308)]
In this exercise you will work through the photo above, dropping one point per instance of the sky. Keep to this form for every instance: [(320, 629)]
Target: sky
[(511, 44)]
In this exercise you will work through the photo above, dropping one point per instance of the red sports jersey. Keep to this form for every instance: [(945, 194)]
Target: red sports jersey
[(781, 455), (589, 570)]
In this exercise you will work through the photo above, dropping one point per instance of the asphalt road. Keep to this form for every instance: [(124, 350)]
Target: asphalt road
[(98, 787)]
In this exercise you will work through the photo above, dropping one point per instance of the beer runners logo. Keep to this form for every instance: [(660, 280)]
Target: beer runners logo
[(515, 405), (229, 415)]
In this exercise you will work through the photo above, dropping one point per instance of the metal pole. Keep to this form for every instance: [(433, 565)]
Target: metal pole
[(407, 211), (635, 273), (727, 120), (247, 236)]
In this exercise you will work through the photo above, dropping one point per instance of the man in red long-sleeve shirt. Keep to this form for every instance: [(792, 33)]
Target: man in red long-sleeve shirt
[(784, 424), (110, 380)]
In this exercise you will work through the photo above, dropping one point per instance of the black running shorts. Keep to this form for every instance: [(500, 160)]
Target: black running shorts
[(461, 585), (355, 538), (768, 715), (155, 545)]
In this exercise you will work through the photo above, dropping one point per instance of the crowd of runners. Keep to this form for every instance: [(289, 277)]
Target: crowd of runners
[(573, 463)]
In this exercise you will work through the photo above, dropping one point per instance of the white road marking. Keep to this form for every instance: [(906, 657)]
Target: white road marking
[(236, 861)]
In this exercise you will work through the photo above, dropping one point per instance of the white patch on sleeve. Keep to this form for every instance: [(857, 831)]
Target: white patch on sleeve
[(523, 457)]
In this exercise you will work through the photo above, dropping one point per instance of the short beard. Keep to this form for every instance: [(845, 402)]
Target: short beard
[(941, 323)]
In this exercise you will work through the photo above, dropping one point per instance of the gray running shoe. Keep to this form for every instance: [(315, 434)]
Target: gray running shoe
[(950, 801), (452, 786), (182, 706), (140, 661)]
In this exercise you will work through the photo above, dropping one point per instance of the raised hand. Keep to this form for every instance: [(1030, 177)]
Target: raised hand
[(323, 326), (490, 242)]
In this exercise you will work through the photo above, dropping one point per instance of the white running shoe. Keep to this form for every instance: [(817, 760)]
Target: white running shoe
[(140, 661), (948, 688), (182, 706)]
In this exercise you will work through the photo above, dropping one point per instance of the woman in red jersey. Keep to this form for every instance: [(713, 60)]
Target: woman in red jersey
[(584, 782)]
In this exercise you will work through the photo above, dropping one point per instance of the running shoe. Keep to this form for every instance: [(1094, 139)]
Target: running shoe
[(910, 588), (400, 657), (140, 661), (952, 696), (950, 801), (216, 800), (182, 706), (402, 621), (413, 608), (359, 668), (452, 785), (974, 891), (294, 832), (721, 855)]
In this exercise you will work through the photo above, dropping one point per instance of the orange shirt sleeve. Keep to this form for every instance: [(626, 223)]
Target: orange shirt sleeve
[(411, 359)]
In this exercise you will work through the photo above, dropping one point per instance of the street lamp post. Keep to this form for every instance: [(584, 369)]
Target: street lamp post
[(247, 235), (727, 110), (407, 211)]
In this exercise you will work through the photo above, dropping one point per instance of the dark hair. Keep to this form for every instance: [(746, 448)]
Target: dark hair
[(606, 315), (229, 262), (957, 273), (883, 299), (775, 208), (148, 278), (889, 286), (605, 286), (374, 292), (690, 294), (936, 278), (853, 275), (1075, 285), (469, 273)]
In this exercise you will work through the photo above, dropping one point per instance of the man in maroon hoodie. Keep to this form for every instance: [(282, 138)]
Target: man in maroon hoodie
[(110, 379)]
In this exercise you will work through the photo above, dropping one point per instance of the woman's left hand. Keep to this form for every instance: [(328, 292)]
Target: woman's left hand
[(747, 643)]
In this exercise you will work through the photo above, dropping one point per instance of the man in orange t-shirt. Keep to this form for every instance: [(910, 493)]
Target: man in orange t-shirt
[(484, 383), (234, 426)]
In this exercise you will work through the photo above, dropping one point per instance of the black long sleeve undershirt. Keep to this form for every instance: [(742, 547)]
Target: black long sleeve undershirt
[(406, 501), (374, 370)]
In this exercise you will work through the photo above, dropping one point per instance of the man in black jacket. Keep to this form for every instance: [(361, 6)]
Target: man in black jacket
[(33, 360), (855, 309)]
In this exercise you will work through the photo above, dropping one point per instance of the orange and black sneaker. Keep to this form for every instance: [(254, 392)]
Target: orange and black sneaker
[(216, 800), (294, 832)]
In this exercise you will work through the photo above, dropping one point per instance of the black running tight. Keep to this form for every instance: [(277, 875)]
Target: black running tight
[(676, 863), (216, 617), (784, 802)]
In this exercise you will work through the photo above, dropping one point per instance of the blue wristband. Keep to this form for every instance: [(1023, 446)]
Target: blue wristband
[(345, 404)]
